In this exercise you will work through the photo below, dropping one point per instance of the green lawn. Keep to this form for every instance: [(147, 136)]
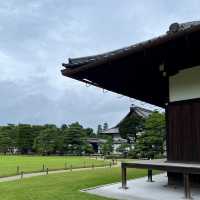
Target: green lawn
[(8, 164), (64, 186)]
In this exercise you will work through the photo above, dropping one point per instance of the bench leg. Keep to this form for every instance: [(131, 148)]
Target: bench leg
[(187, 191), (150, 179), (124, 178)]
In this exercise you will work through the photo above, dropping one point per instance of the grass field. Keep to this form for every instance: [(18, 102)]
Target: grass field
[(8, 164), (64, 186)]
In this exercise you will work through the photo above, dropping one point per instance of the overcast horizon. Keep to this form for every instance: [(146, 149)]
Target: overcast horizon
[(37, 36)]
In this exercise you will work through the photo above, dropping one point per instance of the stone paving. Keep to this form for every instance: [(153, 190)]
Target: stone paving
[(140, 189)]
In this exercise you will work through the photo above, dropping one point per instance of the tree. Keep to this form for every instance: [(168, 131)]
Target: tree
[(107, 147), (131, 126), (88, 149), (105, 126), (150, 143), (25, 138), (46, 142), (5, 141), (89, 132), (35, 131), (75, 138), (123, 148), (11, 130), (45, 139), (64, 126), (99, 129)]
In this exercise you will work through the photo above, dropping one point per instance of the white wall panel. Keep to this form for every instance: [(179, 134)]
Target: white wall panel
[(185, 85)]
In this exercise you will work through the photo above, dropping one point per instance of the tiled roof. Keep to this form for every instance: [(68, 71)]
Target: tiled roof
[(142, 112), (174, 28)]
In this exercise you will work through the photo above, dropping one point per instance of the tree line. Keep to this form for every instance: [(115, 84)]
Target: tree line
[(145, 138), (45, 139)]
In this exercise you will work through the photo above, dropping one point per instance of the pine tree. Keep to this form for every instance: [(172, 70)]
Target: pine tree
[(105, 126), (150, 143), (99, 129)]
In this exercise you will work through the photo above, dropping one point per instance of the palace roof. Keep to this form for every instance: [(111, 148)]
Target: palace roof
[(141, 70)]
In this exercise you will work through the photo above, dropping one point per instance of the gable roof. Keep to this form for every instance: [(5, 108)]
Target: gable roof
[(135, 70), (134, 111)]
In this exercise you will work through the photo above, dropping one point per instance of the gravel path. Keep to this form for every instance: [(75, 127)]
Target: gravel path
[(13, 178)]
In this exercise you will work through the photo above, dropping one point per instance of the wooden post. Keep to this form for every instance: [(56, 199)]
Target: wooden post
[(47, 171), (17, 169), (22, 174), (43, 167), (187, 186), (124, 176), (150, 175)]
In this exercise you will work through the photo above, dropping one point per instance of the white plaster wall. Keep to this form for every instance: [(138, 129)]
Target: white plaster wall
[(115, 147), (185, 85)]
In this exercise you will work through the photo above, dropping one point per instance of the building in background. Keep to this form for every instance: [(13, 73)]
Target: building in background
[(114, 132), (96, 144)]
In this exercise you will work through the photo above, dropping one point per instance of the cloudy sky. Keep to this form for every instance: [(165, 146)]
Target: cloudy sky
[(37, 36)]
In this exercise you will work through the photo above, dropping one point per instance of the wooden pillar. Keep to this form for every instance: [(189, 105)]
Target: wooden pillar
[(124, 176), (150, 175), (187, 186)]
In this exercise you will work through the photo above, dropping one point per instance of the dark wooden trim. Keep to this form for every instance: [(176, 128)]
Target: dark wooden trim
[(169, 168), (183, 130), (167, 130), (185, 101)]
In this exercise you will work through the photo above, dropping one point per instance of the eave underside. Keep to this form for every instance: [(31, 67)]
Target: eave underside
[(137, 74)]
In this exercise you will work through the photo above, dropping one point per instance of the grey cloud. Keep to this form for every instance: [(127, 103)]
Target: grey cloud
[(37, 36)]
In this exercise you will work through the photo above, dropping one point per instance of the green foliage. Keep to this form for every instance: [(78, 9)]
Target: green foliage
[(46, 139), (46, 142), (150, 143), (88, 149), (123, 148), (75, 138), (5, 140), (64, 126), (105, 126), (107, 147), (132, 154), (8, 138), (25, 137), (89, 132), (99, 129), (131, 126)]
